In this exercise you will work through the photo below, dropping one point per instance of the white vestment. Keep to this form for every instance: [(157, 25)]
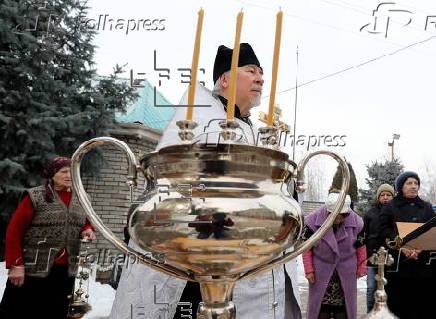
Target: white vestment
[(146, 293)]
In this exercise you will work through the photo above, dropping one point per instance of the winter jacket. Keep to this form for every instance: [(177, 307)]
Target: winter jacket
[(402, 209), (372, 229)]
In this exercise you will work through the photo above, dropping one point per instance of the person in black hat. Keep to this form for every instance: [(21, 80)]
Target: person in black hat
[(249, 85), (262, 297), (249, 79), (412, 277)]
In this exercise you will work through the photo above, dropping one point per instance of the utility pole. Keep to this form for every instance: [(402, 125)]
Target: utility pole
[(391, 144)]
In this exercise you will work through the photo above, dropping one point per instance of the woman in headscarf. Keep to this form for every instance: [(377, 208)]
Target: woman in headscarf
[(333, 265), (411, 279), (42, 245)]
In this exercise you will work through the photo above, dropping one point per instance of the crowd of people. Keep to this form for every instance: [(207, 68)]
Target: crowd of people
[(332, 265), (47, 226)]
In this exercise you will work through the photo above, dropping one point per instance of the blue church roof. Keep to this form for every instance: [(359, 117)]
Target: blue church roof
[(145, 111)]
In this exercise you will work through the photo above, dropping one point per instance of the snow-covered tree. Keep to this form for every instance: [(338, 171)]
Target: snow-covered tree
[(380, 173), (316, 183), (428, 182), (51, 98)]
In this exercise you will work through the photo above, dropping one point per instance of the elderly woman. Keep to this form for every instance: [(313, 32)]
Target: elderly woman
[(42, 242), (333, 265), (411, 278)]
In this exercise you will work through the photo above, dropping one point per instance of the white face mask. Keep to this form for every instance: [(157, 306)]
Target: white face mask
[(333, 198)]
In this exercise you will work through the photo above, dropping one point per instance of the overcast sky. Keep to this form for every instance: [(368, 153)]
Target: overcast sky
[(356, 79)]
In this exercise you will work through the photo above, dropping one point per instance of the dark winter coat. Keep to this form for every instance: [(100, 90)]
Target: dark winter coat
[(372, 229), (410, 282), (402, 209)]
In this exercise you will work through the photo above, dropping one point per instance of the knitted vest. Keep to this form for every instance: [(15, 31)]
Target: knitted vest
[(53, 228)]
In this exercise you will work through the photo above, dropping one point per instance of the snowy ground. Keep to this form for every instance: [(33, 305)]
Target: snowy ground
[(102, 296)]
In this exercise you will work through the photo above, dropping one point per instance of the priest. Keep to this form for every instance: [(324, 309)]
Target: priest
[(273, 294)]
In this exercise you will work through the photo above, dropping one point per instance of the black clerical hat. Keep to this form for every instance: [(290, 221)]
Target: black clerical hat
[(223, 60)]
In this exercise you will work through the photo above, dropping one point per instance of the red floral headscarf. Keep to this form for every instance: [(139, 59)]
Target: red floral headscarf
[(50, 170)]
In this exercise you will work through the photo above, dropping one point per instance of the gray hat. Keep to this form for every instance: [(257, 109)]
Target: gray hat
[(384, 188)]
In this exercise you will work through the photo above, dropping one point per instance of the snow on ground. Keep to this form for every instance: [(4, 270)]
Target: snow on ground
[(3, 278), (101, 296)]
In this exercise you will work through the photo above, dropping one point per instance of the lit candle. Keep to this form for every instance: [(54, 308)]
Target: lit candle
[(275, 67), (233, 69), (194, 67)]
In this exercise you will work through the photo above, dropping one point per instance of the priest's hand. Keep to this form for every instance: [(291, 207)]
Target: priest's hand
[(16, 275), (311, 278)]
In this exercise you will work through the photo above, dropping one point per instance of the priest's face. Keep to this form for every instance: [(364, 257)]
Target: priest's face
[(248, 87)]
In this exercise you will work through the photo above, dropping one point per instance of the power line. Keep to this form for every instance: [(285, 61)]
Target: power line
[(353, 7), (356, 66), (295, 106), (324, 25), (249, 3), (349, 6)]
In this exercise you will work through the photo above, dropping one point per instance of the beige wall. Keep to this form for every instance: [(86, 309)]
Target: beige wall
[(109, 192)]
